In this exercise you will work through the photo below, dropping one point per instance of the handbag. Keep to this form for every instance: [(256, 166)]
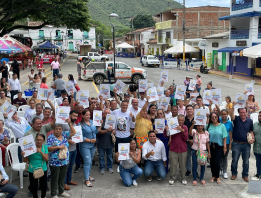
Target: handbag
[(63, 153), (201, 155), (38, 172), (113, 138), (249, 137)]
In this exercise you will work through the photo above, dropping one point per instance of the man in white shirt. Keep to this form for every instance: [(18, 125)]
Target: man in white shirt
[(201, 105), (142, 99), (134, 110), (30, 111), (15, 86), (154, 153), (63, 95), (31, 77), (39, 112)]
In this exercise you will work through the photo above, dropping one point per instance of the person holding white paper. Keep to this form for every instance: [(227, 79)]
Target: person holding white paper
[(134, 110), (87, 147), (168, 112), (74, 82), (251, 105), (38, 112), (178, 151), (181, 107), (130, 166), (201, 105), (30, 111), (3, 98), (142, 99)]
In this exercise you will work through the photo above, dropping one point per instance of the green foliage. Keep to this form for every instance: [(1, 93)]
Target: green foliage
[(143, 21), (71, 13)]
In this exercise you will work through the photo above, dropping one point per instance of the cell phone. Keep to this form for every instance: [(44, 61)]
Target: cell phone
[(2, 180)]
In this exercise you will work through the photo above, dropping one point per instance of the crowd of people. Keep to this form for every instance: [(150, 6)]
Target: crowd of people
[(149, 149)]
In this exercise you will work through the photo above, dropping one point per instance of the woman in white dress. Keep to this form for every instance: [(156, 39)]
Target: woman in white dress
[(37, 81)]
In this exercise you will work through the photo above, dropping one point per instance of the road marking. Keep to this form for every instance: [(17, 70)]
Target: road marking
[(95, 87), (27, 82)]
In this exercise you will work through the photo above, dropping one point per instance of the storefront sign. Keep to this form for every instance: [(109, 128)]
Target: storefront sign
[(194, 65), (202, 45), (170, 64)]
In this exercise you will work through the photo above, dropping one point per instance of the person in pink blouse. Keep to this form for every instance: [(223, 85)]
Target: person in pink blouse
[(199, 83), (178, 151), (55, 66), (43, 84)]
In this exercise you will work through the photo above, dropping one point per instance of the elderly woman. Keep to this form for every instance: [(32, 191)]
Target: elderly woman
[(38, 160), (128, 167), (57, 144), (87, 147), (142, 126), (4, 140)]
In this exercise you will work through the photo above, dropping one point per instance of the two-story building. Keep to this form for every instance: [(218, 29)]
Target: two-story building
[(66, 39)]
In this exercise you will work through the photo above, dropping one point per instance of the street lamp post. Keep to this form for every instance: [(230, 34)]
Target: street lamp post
[(113, 15), (62, 39), (183, 30)]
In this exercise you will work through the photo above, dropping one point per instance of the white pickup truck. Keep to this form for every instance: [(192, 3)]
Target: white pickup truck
[(98, 72), (150, 60), (93, 56)]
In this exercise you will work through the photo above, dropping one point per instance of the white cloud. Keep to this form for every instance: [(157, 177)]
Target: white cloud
[(196, 3)]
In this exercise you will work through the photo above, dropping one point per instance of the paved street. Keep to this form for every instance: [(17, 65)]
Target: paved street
[(110, 185)]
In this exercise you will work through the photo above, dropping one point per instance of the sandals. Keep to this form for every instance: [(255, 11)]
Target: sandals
[(203, 182), (194, 183), (218, 182), (88, 184), (212, 180), (91, 178)]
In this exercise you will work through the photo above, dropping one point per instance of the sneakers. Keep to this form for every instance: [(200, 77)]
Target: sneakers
[(102, 172), (149, 178), (220, 172), (171, 182), (64, 194), (111, 170), (76, 169), (158, 178), (134, 183), (118, 169), (184, 182), (188, 173), (225, 175)]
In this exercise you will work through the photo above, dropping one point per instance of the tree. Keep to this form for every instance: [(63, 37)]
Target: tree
[(143, 21), (71, 13)]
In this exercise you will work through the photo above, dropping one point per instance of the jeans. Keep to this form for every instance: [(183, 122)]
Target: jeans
[(13, 93), (34, 185), (198, 90), (195, 166), (126, 174), (216, 155), (223, 162), (109, 158), (78, 159), (74, 96), (258, 163), (58, 174), (157, 165), (188, 162), (109, 77), (10, 189), (237, 149), (72, 156), (55, 72), (87, 155), (165, 141), (58, 93)]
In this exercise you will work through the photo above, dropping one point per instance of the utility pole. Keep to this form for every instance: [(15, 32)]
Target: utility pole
[(183, 29), (211, 27)]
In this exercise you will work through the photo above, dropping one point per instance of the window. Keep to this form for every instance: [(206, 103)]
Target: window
[(123, 66), (57, 34), (167, 34), (41, 33), (70, 34), (90, 54), (85, 34), (95, 54)]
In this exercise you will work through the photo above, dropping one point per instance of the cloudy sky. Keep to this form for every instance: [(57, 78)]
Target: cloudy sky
[(195, 3)]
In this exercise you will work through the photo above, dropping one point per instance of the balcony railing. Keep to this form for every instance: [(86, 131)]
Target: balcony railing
[(165, 25), (241, 6), (160, 39), (239, 34)]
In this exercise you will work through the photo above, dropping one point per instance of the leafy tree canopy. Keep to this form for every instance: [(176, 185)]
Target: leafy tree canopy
[(71, 13), (143, 21)]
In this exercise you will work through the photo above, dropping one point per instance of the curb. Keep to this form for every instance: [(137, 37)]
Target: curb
[(27, 82)]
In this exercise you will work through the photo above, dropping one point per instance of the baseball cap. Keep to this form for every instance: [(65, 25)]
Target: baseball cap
[(126, 95), (60, 75)]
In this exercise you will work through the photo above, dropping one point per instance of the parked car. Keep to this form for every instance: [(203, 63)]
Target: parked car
[(98, 72), (150, 60), (93, 56)]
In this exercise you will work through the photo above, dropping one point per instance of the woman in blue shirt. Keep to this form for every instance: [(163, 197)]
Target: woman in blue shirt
[(218, 147), (229, 127), (87, 147)]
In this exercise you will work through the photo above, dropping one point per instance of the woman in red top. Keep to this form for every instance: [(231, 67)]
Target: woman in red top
[(40, 67), (43, 84)]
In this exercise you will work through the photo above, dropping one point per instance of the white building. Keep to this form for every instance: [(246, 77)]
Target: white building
[(67, 39)]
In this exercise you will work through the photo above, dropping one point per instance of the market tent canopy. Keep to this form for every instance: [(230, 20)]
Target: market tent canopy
[(13, 42), (253, 52), (245, 14), (178, 49), (5, 48), (230, 49), (47, 45), (125, 46)]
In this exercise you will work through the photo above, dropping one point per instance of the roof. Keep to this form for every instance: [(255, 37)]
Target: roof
[(35, 23), (141, 30), (231, 49), (246, 14), (152, 41), (223, 35)]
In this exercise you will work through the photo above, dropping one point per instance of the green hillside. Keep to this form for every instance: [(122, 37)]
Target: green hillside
[(101, 9)]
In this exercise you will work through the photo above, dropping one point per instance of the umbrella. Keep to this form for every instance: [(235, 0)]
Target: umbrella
[(16, 43), (5, 48), (252, 52), (178, 49), (125, 46)]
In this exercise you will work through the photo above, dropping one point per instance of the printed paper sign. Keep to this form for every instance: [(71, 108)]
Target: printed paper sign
[(8, 108), (160, 91), (62, 114), (119, 85), (192, 85), (193, 100), (110, 121), (124, 150), (160, 125), (164, 103), (44, 94), (105, 90), (216, 96), (159, 102), (240, 100), (207, 96), (200, 116), (143, 85), (97, 117), (78, 136), (83, 96), (173, 124), (150, 85), (164, 76), (27, 145), (180, 92), (70, 88), (249, 88), (152, 93)]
